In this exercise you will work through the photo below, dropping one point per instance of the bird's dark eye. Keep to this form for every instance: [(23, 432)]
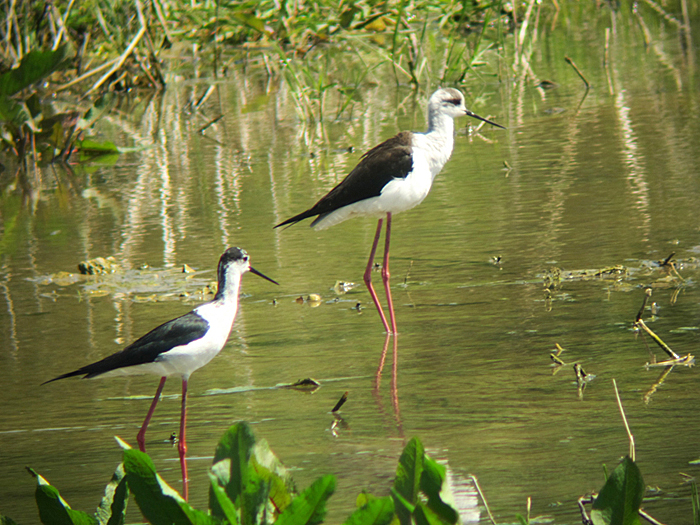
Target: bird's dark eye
[(454, 101)]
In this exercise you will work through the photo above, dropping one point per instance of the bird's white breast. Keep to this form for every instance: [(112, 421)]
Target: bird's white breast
[(184, 359), (188, 358)]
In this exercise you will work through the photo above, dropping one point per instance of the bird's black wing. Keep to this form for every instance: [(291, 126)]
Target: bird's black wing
[(179, 331), (389, 160)]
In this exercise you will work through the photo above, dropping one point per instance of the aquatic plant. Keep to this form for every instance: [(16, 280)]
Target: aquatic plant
[(249, 485)]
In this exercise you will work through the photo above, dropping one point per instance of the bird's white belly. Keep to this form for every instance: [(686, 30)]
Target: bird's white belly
[(185, 359), (397, 195)]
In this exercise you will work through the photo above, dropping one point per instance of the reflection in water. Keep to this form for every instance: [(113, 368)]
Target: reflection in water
[(393, 386)]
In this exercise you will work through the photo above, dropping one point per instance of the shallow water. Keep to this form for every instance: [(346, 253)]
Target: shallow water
[(571, 184)]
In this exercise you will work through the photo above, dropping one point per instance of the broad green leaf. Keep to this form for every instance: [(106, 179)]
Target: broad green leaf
[(53, 509), (619, 500), (101, 106), (424, 516), (231, 465), (254, 499), (97, 148), (159, 503), (112, 509), (269, 468), (404, 509), (35, 66), (376, 511), (13, 112), (408, 474), (433, 483), (309, 508), (226, 506), (347, 15), (363, 498)]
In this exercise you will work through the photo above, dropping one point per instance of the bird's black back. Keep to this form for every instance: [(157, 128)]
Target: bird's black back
[(389, 160), (176, 332)]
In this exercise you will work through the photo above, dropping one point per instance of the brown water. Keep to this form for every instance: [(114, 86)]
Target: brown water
[(608, 180)]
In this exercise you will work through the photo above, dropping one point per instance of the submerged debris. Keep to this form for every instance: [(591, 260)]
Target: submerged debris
[(342, 287), (309, 384), (640, 326), (313, 300), (98, 266)]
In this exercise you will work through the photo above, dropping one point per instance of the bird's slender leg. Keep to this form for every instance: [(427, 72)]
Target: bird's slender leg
[(182, 443), (386, 275), (368, 276), (141, 436)]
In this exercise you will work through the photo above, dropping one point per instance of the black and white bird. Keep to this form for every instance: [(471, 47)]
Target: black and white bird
[(392, 177), (180, 346)]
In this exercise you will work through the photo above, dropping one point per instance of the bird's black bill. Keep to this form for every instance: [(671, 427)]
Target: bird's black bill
[(474, 115), (253, 270)]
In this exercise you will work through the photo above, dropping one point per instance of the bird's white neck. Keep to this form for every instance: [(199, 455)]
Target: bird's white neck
[(437, 142), (440, 124), (228, 289)]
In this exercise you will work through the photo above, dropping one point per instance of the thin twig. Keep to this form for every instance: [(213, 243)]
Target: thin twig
[(62, 23), (210, 123), (120, 61), (640, 314), (483, 498), (657, 340), (578, 71), (582, 507), (624, 420), (650, 519)]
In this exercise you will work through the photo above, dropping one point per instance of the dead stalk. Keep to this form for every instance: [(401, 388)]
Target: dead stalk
[(483, 498), (120, 62), (578, 72), (624, 420), (673, 355)]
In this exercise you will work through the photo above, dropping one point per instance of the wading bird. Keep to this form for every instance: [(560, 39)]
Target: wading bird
[(180, 346), (392, 177)]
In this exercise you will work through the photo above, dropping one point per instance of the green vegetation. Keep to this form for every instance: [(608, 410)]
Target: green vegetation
[(249, 485), (90, 48)]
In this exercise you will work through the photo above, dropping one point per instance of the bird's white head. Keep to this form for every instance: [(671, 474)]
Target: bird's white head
[(232, 265), (447, 101)]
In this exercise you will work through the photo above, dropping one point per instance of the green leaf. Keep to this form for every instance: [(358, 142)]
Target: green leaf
[(97, 148), (4, 520), (13, 112), (424, 516), (112, 509), (347, 16), (269, 468), (402, 506), (433, 483), (53, 509), (309, 508), (159, 503), (376, 511), (226, 506), (408, 474), (35, 66), (619, 500), (231, 465)]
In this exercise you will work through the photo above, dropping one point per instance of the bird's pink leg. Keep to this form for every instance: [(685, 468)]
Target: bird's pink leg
[(386, 275), (182, 443), (368, 276), (141, 436)]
